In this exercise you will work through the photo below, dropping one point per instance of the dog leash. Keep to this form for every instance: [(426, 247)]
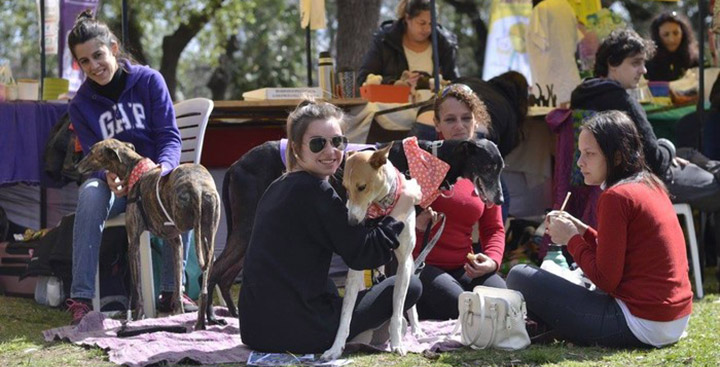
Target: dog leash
[(169, 221), (434, 145), (428, 246)]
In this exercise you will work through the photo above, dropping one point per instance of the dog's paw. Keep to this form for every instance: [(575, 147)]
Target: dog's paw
[(331, 354), (399, 349), (216, 321), (418, 333)]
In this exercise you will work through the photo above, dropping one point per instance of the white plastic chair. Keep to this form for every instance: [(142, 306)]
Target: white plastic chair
[(192, 117), (684, 211)]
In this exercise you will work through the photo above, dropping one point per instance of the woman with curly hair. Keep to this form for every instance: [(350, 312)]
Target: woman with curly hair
[(449, 270), (677, 50)]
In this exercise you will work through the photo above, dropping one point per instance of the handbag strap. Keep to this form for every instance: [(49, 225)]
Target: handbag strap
[(482, 318)]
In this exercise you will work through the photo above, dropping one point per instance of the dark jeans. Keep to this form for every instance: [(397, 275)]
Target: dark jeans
[(441, 290), (577, 314), (374, 306)]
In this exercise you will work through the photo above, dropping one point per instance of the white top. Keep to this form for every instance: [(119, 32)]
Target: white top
[(655, 333), (551, 40), (419, 61)]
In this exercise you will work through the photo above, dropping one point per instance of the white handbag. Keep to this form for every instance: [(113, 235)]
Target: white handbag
[(493, 317)]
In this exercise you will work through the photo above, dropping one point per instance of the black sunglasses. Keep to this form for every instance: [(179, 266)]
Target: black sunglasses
[(317, 143)]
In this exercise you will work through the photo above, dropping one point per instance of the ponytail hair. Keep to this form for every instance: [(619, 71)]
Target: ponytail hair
[(87, 28)]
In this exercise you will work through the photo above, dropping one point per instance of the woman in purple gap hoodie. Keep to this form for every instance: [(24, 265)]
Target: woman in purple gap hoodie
[(130, 103)]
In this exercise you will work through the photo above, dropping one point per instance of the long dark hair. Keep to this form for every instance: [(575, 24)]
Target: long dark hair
[(298, 121), (688, 49), (87, 27), (620, 143)]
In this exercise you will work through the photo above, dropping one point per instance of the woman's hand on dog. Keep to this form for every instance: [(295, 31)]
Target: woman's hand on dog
[(410, 195), (115, 184), (480, 265)]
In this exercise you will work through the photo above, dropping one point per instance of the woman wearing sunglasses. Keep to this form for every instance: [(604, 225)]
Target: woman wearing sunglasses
[(448, 269), (287, 302)]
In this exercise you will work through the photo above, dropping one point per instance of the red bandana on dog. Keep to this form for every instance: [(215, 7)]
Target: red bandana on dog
[(387, 203), (428, 170), (140, 168)]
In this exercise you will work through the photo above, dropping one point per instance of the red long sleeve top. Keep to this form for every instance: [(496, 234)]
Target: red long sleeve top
[(462, 210), (637, 253)]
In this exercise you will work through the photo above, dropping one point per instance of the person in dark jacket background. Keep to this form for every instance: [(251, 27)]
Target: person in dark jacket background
[(404, 44), (506, 98), (677, 50)]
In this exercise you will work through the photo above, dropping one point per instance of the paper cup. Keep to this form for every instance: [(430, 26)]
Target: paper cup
[(28, 89)]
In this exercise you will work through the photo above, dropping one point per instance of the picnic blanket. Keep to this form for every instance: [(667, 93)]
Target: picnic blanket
[(217, 344)]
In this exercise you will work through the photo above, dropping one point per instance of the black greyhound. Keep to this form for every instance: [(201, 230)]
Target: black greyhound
[(247, 178)]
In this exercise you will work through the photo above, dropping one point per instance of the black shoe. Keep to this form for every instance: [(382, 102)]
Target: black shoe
[(165, 304)]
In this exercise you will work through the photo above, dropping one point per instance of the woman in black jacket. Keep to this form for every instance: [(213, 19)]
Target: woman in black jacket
[(677, 50), (287, 302), (404, 44)]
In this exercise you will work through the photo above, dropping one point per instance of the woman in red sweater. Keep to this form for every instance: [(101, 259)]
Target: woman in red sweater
[(636, 257), (448, 272)]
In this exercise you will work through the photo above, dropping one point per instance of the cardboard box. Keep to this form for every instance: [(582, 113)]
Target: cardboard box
[(385, 93)]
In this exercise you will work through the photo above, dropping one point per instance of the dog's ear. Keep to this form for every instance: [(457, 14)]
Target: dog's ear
[(112, 154), (380, 157), (129, 145), (468, 147)]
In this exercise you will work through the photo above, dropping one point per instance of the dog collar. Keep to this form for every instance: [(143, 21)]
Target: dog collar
[(385, 205), (145, 164), (428, 170)]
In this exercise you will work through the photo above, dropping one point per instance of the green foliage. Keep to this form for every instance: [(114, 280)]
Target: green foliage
[(19, 39), (271, 44)]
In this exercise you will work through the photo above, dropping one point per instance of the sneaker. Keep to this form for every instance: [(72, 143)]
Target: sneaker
[(78, 309), (165, 304)]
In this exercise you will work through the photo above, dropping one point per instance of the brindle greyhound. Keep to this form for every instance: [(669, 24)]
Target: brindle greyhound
[(246, 181), (166, 206)]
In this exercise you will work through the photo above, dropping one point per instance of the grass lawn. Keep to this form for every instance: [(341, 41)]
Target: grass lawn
[(22, 322)]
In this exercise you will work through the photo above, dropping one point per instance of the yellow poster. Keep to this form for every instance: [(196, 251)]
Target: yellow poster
[(505, 48), (583, 8)]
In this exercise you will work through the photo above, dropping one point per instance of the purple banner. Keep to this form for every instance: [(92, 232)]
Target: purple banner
[(69, 69)]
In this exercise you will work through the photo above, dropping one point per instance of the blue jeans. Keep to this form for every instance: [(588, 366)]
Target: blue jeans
[(96, 203)]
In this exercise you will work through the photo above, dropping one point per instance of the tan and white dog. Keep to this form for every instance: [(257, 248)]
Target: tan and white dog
[(371, 180)]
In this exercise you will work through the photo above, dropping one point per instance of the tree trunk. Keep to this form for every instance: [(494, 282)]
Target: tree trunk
[(469, 8), (134, 43), (174, 44), (357, 21)]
